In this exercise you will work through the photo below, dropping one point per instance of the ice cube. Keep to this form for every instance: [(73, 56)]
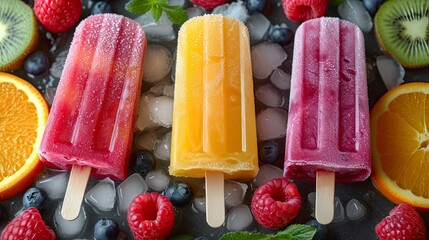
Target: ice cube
[(239, 218), (169, 90), (59, 41), (157, 180), (161, 111), (179, 3), (129, 189), (392, 73), (58, 65), (265, 58), (162, 148), (144, 121), (50, 94), (147, 140), (338, 211), (68, 229), (338, 207), (311, 197), (355, 210), (234, 193), (266, 173), (280, 79), (355, 12), (199, 204), (271, 123), (156, 31), (236, 10), (258, 26), (195, 11), (154, 112), (157, 63), (55, 186), (269, 96), (103, 195), (165, 88), (47, 81)]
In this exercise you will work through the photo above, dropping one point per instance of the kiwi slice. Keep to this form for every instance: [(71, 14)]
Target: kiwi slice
[(402, 30), (18, 33)]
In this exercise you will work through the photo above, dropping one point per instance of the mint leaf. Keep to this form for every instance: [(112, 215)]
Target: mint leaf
[(182, 237), (283, 237), (292, 232), (298, 232), (176, 14), (138, 6), (156, 12), (245, 236)]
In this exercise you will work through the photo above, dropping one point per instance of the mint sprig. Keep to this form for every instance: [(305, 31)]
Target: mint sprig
[(175, 13), (292, 232)]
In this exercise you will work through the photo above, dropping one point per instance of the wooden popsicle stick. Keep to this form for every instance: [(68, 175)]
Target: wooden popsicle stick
[(215, 201), (325, 191), (74, 193)]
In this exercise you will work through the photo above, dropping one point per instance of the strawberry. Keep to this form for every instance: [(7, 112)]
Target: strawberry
[(57, 15), (276, 203), (209, 4), (150, 216), (302, 10), (403, 222), (28, 225)]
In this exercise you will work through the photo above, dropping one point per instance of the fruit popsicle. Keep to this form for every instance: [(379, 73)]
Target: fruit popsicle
[(91, 122), (214, 129), (328, 119)]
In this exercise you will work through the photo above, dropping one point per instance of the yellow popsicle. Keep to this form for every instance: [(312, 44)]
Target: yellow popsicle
[(214, 126)]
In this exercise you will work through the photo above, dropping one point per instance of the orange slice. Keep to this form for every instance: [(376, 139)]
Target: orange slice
[(400, 145), (23, 116)]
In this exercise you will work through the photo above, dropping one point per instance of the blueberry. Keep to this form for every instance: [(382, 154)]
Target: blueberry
[(37, 63), (269, 152), (142, 162), (178, 193), (280, 34), (101, 7), (372, 5), (255, 6), (321, 232), (35, 197), (106, 229)]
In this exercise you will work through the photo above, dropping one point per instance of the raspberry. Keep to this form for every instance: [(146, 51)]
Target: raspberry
[(28, 225), (302, 10), (209, 4), (276, 203), (403, 222), (57, 15), (150, 216)]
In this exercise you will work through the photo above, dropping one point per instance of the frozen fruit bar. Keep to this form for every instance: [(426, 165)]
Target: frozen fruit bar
[(214, 117), (328, 121), (91, 122)]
